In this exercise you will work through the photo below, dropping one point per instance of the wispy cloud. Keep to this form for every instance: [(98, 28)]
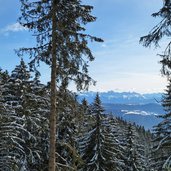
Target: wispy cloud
[(16, 27)]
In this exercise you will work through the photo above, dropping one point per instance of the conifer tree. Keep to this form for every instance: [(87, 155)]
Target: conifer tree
[(117, 134), (12, 154), (160, 31), (11, 150), (162, 141), (3, 76), (61, 43), (145, 138), (134, 151), (68, 127), (98, 145), (36, 121), (85, 106), (13, 95), (26, 98), (87, 120)]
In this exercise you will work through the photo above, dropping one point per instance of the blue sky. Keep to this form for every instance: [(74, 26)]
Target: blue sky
[(121, 63)]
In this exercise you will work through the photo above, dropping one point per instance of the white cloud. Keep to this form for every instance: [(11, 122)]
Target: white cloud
[(16, 27), (138, 82)]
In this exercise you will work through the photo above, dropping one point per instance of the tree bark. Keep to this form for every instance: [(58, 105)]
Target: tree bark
[(53, 113)]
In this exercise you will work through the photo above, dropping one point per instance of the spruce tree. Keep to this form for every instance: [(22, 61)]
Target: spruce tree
[(98, 145), (68, 128), (86, 120), (145, 138), (28, 99), (37, 109), (117, 135), (134, 151), (162, 141), (160, 31), (12, 154), (11, 150), (62, 44)]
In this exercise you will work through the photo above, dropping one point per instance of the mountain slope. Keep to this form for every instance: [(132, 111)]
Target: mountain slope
[(142, 114), (123, 97), (143, 109)]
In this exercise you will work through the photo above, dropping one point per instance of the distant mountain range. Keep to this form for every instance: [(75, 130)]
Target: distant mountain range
[(143, 109), (123, 97)]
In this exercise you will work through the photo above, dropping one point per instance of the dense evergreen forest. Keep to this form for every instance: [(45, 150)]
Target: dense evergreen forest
[(88, 137), (43, 127)]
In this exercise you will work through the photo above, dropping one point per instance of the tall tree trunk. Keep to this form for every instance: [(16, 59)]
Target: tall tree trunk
[(53, 114)]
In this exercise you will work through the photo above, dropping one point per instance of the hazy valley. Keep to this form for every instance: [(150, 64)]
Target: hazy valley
[(143, 109)]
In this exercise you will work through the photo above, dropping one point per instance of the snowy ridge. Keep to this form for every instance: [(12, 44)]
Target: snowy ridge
[(122, 97), (138, 112)]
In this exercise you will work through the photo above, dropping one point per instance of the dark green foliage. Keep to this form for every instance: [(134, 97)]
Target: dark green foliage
[(12, 154), (134, 151), (162, 140), (88, 139), (145, 139), (25, 108), (68, 128), (72, 49), (160, 31), (62, 43), (99, 148)]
